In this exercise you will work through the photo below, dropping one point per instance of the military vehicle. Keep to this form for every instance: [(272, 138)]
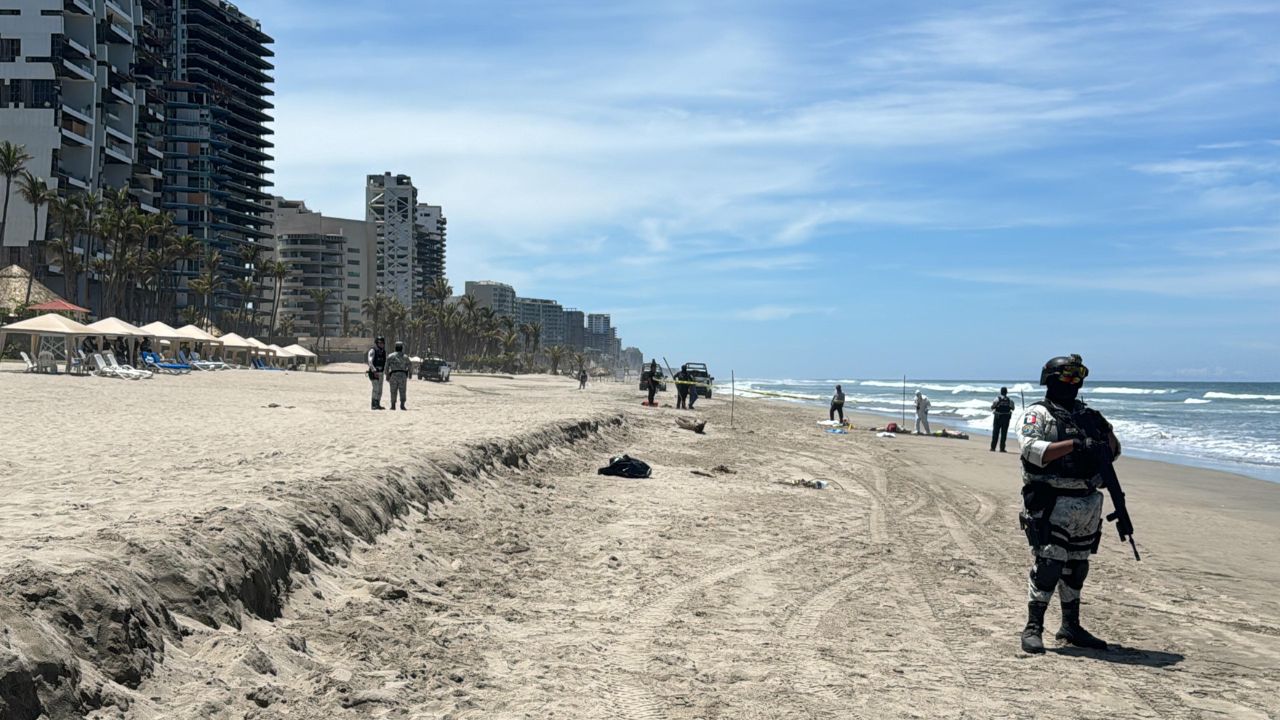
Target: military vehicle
[(699, 374)]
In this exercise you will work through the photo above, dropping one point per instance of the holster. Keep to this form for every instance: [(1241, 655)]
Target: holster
[(1037, 500)]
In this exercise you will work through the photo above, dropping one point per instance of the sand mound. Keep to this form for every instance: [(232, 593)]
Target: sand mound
[(74, 635)]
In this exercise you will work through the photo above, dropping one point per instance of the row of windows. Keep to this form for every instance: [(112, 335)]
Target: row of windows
[(29, 93), (10, 49)]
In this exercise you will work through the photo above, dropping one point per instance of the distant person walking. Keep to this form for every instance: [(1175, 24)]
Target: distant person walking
[(1003, 410), (682, 390), (837, 404), (582, 379), (398, 367), (377, 362), (922, 413)]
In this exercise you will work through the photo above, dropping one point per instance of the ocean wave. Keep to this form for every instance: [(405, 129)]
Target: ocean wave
[(1130, 391), (1238, 396), (954, 389), (1196, 401)]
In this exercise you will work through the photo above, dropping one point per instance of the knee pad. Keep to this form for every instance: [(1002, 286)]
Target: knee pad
[(1074, 573), (1046, 573)]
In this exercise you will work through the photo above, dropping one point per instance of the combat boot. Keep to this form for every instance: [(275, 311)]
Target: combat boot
[(1071, 632), (1032, 642)]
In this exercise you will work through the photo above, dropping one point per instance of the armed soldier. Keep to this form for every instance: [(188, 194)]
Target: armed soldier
[(1067, 451), (398, 367)]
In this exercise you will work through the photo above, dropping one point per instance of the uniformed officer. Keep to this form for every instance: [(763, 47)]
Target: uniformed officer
[(1064, 443), (1001, 412), (398, 367), (377, 361)]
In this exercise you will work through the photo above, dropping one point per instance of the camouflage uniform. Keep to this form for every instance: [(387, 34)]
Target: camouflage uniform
[(398, 367), (1067, 490)]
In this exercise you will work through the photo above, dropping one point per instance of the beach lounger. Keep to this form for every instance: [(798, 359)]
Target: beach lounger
[(104, 369), (258, 364), (157, 363), (31, 367), (213, 363), (127, 371), (197, 364)]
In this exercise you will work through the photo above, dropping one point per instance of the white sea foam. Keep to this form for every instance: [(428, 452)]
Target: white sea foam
[(1129, 391), (1196, 401), (1237, 396)]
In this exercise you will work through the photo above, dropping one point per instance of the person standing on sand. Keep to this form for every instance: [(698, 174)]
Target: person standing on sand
[(922, 413), (682, 389), (652, 387), (1002, 409), (693, 390), (837, 404), (582, 379), (398, 367), (377, 362), (1064, 447)]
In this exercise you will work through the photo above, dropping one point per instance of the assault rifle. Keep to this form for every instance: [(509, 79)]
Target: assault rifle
[(1120, 515)]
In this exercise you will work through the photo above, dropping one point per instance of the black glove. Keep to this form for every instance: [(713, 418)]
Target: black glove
[(1094, 448)]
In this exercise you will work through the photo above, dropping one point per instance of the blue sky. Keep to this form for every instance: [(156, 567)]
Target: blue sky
[(827, 189)]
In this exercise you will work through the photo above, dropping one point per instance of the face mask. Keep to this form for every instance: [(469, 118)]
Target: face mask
[(1062, 393)]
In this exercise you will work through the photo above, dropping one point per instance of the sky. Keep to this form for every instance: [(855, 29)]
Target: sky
[(826, 189)]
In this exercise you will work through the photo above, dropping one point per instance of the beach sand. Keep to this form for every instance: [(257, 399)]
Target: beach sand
[(175, 548)]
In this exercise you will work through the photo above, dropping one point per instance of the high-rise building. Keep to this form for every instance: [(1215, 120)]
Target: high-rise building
[(305, 240), (598, 323), (216, 147), (391, 203), (498, 297), (80, 90), (163, 98), (431, 224), (547, 313), (575, 330), (632, 359)]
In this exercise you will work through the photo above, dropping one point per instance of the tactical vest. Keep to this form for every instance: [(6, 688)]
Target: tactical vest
[(379, 358), (1004, 406), (1083, 423)]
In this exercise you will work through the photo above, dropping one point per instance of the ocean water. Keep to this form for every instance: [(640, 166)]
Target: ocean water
[(1224, 426)]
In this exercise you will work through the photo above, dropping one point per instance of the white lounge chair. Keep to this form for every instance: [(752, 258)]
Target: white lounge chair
[(31, 367), (212, 363), (127, 371), (103, 369)]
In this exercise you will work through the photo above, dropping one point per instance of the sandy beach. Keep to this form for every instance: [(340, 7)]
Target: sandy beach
[(261, 545)]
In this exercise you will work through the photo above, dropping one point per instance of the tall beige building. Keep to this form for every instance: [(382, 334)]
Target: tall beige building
[(324, 252)]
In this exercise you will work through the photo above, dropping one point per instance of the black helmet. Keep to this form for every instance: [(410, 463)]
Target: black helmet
[(1068, 369), (399, 346), (379, 339)]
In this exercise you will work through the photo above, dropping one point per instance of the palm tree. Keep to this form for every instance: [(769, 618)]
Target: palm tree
[(555, 354), (13, 162), (69, 214), (37, 193), (207, 283), (245, 286), (439, 291), (373, 309), (321, 299), (286, 326), (278, 271), (183, 249), (154, 266)]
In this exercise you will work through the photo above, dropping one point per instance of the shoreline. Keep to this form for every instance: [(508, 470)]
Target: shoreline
[(1253, 471)]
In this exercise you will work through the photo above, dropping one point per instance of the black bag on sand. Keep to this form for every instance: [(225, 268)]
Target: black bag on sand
[(627, 467)]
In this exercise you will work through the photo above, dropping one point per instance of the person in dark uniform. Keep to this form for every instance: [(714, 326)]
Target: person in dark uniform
[(653, 382), (1002, 410), (582, 379), (377, 364), (1064, 443), (837, 404), (682, 390)]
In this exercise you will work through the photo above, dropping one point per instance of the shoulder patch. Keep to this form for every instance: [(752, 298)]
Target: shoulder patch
[(1030, 419)]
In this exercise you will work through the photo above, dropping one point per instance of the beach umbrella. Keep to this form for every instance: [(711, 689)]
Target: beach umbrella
[(57, 306), (233, 343), (13, 289), (196, 335), (306, 355), (115, 326)]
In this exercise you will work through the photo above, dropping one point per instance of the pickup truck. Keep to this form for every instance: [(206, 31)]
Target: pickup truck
[(699, 374), (644, 379), (434, 368)]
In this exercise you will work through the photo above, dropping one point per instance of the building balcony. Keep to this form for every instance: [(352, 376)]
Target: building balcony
[(77, 69), (73, 179), (118, 135), (84, 114)]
